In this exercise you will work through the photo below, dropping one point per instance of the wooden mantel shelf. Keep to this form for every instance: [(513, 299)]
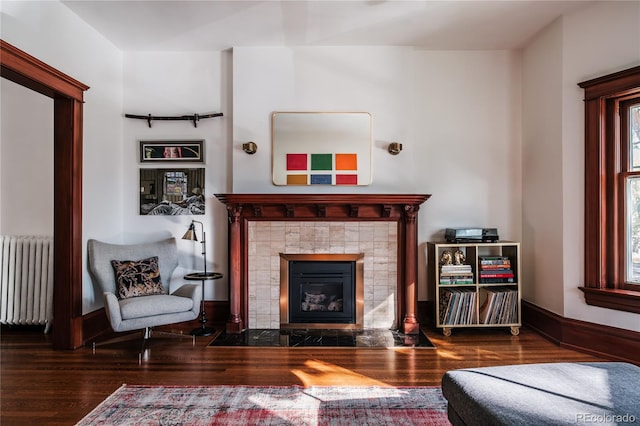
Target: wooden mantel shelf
[(401, 208), (323, 206)]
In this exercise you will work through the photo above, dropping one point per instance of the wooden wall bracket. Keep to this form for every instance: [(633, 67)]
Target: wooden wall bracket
[(193, 117)]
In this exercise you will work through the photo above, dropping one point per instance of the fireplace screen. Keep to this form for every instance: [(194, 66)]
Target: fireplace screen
[(321, 292)]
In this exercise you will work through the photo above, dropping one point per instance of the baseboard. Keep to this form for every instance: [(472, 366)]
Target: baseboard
[(96, 326), (600, 340), (595, 339), (425, 313)]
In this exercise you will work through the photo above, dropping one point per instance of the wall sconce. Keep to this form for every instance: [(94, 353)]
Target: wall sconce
[(395, 148), (249, 147)]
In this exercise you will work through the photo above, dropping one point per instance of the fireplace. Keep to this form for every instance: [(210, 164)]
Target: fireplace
[(321, 291), (279, 212)]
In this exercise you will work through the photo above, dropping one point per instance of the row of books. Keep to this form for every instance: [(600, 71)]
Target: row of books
[(458, 306), (494, 261), (503, 278), (495, 269), (500, 306)]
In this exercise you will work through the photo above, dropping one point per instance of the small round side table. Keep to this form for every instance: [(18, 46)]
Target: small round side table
[(202, 277)]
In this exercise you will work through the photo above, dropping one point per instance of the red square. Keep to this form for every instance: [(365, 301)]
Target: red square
[(346, 179), (296, 161)]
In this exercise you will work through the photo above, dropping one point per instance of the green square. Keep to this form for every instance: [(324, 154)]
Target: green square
[(321, 161)]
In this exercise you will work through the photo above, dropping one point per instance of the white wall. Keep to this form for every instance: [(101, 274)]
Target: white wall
[(542, 191), (173, 84), (457, 115), (590, 42), (26, 161), (369, 79), (51, 33)]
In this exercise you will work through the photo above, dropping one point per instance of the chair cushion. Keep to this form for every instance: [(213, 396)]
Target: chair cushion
[(145, 306), (138, 277)]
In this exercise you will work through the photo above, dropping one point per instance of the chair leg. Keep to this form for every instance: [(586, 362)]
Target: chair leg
[(125, 338), (150, 332), (147, 333), (180, 335)]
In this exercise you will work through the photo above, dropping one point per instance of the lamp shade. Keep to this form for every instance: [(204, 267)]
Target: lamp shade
[(190, 234)]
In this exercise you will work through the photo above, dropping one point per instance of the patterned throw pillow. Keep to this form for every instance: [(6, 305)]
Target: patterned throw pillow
[(137, 277)]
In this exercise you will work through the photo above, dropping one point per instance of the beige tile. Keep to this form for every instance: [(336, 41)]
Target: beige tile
[(277, 247), (337, 233), (378, 242), (263, 231)]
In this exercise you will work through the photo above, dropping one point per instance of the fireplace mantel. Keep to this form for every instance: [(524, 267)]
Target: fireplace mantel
[(401, 208)]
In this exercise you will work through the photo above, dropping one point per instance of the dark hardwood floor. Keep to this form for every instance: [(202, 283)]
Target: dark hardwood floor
[(47, 387)]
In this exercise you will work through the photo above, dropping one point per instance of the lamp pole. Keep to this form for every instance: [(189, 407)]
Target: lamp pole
[(202, 277), (203, 331)]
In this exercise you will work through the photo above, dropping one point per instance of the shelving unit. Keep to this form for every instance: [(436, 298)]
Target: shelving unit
[(484, 290)]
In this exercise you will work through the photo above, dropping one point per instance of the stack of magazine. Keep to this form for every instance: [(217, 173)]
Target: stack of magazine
[(456, 274)]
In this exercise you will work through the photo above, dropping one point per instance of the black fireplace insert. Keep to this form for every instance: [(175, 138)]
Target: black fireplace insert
[(322, 292)]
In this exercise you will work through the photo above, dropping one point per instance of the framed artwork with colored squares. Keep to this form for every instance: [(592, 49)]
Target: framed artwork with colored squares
[(321, 148)]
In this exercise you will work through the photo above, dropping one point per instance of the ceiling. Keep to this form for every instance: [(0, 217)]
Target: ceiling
[(218, 25)]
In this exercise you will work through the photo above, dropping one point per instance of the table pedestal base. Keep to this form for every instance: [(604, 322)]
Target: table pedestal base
[(202, 331)]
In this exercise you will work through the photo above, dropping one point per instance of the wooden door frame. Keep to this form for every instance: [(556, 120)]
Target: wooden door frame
[(67, 94)]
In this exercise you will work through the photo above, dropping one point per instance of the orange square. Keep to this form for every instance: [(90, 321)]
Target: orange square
[(346, 161), (297, 180)]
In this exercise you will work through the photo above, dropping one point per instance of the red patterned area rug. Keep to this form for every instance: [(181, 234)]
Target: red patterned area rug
[(270, 405)]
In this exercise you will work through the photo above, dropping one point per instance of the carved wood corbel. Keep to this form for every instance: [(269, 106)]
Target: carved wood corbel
[(290, 210), (410, 212), (234, 212)]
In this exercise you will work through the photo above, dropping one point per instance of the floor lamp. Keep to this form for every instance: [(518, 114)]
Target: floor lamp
[(200, 276)]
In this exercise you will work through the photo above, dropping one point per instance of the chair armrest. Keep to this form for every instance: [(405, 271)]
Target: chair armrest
[(112, 309), (193, 292)]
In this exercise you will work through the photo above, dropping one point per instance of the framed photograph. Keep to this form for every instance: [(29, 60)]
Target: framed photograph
[(172, 151), (171, 192)]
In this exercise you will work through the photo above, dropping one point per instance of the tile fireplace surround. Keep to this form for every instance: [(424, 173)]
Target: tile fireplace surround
[(383, 227)]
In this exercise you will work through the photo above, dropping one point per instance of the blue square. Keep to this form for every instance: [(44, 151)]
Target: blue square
[(320, 179)]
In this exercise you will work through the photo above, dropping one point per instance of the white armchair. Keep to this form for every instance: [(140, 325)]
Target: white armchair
[(142, 312)]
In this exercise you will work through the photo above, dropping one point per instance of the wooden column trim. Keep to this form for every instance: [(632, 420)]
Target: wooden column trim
[(410, 323), (67, 228), (26, 70), (237, 260), (67, 93)]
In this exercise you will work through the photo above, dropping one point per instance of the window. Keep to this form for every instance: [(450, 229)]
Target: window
[(630, 145), (175, 186), (612, 191)]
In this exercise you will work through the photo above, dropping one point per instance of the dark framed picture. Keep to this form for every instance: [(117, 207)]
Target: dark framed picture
[(172, 191), (172, 151)]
